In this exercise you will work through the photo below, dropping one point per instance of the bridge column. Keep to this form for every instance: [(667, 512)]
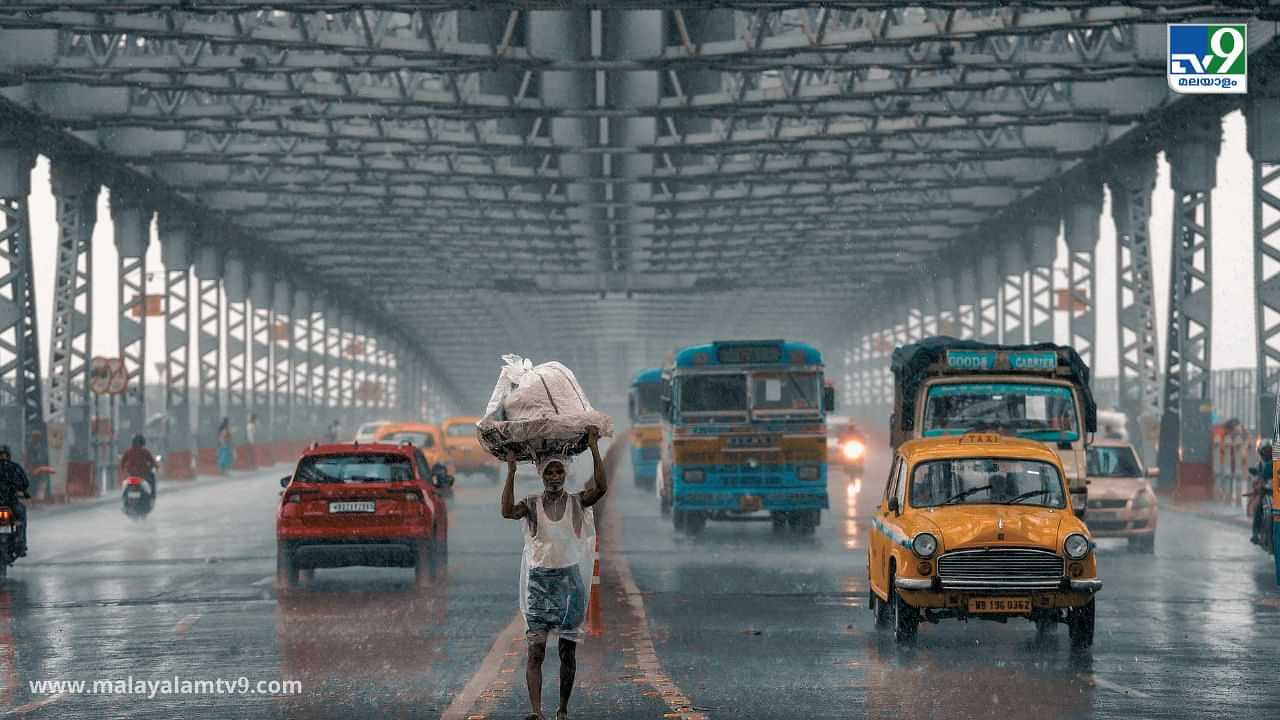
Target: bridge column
[(209, 352), (1263, 122), (966, 292), (1042, 246), (946, 306), (1081, 217), (1132, 183), (175, 254), (21, 390), (261, 327), (236, 285), (303, 392), (346, 326), (1013, 291), (928, 309), (71, 342), (1186, 464), (284, 427), (319, 369), (989, 296), (332, 365), (132, 220)]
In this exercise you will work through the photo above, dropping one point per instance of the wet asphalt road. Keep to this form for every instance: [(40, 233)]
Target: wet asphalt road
[(735, 624)]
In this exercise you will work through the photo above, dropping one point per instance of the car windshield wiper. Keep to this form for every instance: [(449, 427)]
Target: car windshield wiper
[(1026, 496), (964, 494)]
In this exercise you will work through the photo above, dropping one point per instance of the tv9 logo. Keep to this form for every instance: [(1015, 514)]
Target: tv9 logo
[(1208, 58)]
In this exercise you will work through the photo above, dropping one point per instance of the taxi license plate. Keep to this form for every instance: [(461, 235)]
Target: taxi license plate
[(1000, 605), (346, 507), (750, 503)]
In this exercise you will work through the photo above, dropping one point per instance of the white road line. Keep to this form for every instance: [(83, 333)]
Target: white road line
[(33, 706), (183, 626), (1113, 687), (264, 581), (486, 674)]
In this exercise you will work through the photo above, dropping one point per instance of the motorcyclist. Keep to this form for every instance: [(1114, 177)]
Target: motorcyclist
[(138, 461), (1261, 487), (13, 486), (439, 475)]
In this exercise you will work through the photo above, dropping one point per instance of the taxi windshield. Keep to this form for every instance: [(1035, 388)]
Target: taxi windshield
[(420, 439), (1034, 411), (354, 468), (461, 430), (986, 481)]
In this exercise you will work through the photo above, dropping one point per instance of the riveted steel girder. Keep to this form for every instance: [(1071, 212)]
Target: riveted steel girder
[(1263, 127), (176, 248), (1081, 215)]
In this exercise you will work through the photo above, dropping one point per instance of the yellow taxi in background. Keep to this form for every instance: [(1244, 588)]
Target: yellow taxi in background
[(980, 527), (424, 436), (464, 449)]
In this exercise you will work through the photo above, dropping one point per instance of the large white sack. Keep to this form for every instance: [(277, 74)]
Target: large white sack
[(538, 410)]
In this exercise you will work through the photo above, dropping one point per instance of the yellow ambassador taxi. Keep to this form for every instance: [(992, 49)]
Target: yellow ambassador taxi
[(980, 526)]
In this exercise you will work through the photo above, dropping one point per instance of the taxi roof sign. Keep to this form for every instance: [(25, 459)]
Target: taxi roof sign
[(979, 438)]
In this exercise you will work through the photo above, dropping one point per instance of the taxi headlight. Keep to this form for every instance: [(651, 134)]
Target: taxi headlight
[(1076, 546), (808, 472), (1142, 499), (694, 476), (924, 545), (853, 450)]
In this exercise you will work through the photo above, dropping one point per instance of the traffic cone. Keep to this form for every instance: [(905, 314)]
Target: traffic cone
[(595, 622)]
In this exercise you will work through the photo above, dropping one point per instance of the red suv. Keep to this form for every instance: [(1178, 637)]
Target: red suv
[(356, 504)]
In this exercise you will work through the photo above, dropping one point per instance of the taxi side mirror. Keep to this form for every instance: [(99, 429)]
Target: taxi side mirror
[(1079, 501), (284, 481), (893, 505)]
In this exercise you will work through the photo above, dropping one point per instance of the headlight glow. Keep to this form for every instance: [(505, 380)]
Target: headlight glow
[(1076, 546), (924, 545), (853, 449)]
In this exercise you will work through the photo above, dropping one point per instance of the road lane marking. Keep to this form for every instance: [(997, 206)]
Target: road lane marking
[(183, 626), (1113, 687), (264, 581), (486, 677), (33, 706)]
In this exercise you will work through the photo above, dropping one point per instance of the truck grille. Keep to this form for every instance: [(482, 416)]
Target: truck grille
[(1108, 503), (1000, 569)]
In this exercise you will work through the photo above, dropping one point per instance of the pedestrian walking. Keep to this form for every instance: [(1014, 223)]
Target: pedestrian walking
[(559, 540), (226, 451)]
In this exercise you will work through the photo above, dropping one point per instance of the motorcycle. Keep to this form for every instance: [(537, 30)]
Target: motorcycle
[(10, 529), (441, 479), (136, 498)]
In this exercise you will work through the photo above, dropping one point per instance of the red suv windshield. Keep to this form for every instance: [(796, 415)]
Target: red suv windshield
[(355, 468)]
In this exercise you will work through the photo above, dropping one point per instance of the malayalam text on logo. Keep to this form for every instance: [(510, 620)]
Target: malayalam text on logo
[(1208, 58)]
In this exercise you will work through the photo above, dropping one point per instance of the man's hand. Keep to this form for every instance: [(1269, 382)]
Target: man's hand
[(511, 459), (593, 435)]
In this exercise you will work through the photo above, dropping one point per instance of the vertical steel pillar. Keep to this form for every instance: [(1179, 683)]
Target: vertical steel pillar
[(333, 349), (966, 290), (260, 333), (1013, 292), (1263, 125), (70, 346), (1132, 183), (319, 369), (209, 353), (1185, 447), (946, 306), (175, 252), (1042, 239), (284, 431), (132, 220), (346, 325), (236, 284), (1080, 221), (21, 389), (929, 309), (988, 291), (303, 406)]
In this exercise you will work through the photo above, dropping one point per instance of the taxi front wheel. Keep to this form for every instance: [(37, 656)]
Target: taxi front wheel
[(905, 618), (1080, 626)]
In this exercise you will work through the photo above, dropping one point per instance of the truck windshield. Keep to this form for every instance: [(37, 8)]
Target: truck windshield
[(1035, 411), (711, 394), (784, 391), (986, 481), (646, 401)]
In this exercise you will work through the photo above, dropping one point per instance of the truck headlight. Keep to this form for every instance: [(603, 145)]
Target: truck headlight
[(924, 545), (809, 472), (1076, 546), (693, 476)]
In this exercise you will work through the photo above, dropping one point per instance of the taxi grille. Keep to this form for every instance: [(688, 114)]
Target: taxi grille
[(1000, 569)]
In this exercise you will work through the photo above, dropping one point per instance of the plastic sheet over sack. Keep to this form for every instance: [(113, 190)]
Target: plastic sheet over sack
[(538, 410), (558, 597)]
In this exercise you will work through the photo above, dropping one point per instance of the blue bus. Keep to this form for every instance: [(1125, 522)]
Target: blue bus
[(644, 406), (744, 435)]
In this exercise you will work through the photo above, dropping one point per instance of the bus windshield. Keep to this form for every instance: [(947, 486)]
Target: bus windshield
[(1034, 411), (646, 401), (720, 393), (784, 392)]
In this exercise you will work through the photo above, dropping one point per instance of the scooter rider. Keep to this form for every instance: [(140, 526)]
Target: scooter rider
[(13, 486), (138, 461), (1261, 487)]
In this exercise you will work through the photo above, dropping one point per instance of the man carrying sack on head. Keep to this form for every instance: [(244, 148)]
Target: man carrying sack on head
[(556, 569)]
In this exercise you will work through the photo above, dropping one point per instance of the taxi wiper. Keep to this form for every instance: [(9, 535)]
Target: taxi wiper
[(1026, 496), (964, 494)]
